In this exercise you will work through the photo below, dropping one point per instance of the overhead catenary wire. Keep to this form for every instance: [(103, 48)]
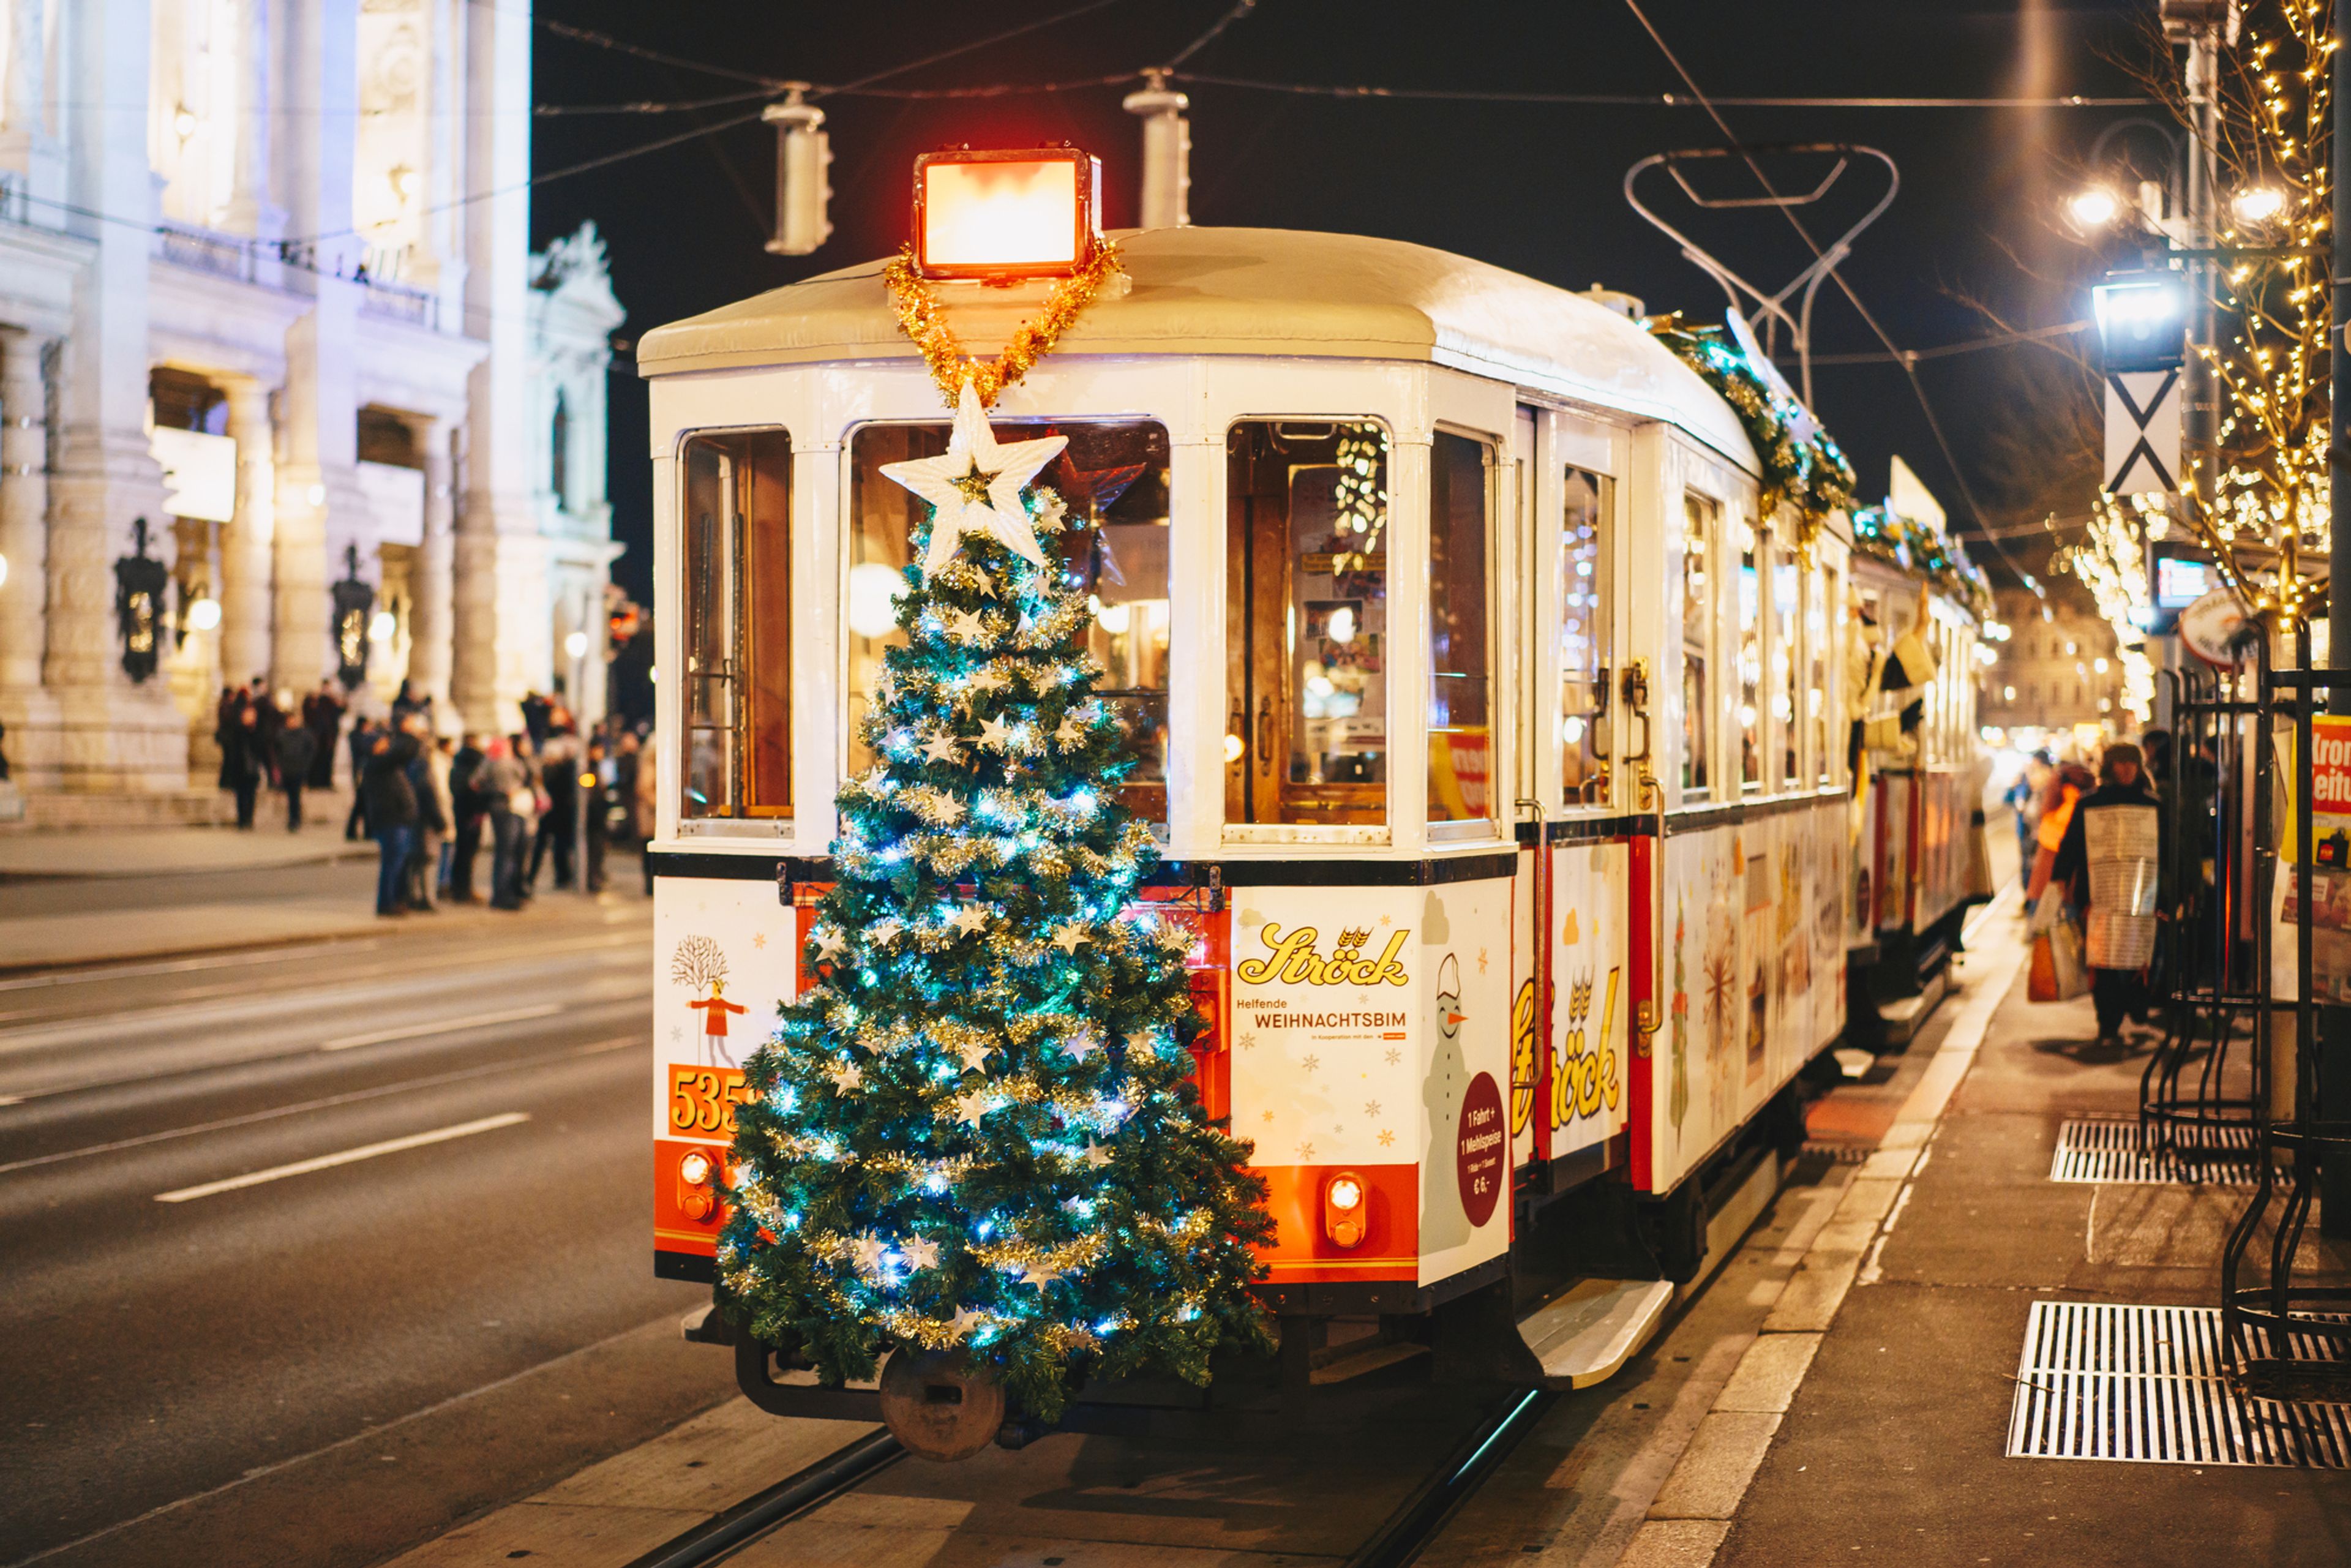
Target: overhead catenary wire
[(1642, 100), (1909, 367)]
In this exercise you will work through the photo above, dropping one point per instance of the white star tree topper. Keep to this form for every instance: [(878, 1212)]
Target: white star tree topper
[(976, 487)]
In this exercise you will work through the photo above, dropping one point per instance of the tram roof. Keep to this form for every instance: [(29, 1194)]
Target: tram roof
[(1254, 291)]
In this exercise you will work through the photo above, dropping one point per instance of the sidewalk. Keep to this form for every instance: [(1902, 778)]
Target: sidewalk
[(164, 852), (209, 890), (1892, 1445)]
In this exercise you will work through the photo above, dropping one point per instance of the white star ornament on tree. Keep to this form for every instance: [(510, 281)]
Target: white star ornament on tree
[(976, 487)]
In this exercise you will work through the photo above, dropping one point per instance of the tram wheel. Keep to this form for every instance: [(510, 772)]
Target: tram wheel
[(939, 1406)]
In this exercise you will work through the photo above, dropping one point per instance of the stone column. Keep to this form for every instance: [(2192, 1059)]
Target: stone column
[(117, 734), (250, 209), (247, 543), (25, 706), (24, 509), (28, 83), (318, 499), (432, 626), (502, 616)]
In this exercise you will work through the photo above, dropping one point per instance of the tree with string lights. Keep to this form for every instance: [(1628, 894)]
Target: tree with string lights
[(973, 1137)]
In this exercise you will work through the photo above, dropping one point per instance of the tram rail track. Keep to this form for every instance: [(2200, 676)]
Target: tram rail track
[(1396, 1542)]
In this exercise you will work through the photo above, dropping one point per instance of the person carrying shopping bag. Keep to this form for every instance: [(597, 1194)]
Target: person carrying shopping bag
[(2106, 865)]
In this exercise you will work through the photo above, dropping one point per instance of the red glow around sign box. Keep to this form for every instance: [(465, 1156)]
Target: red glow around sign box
[(992, 214)]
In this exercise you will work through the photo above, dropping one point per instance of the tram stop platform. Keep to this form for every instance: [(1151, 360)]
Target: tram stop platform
[(2025, 1367)]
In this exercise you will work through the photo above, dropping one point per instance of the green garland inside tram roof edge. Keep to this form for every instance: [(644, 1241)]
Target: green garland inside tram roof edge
[(1814, 476)]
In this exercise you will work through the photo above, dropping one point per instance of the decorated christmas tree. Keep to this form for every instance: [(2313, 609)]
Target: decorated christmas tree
[(975, 1133)]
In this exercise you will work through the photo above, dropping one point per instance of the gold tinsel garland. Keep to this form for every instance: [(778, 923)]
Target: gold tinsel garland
[(923, 317)]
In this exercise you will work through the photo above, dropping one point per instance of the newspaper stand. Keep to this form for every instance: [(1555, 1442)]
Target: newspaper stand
[(2194, 1112), (2282, 1336)]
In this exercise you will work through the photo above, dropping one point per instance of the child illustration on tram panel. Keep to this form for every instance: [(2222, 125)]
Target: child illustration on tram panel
[(700, 962)]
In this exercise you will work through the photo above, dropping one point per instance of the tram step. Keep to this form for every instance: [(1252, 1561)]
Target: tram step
[(1904, 1018), (1583, 1336)]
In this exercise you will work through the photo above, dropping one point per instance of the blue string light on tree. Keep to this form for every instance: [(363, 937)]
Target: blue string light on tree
[(974, 1132)]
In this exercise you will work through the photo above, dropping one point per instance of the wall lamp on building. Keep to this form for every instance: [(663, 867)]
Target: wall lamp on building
[(138, 583), (353, 599)]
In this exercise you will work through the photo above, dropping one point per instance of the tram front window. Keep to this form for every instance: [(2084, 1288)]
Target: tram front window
[(1461, 651), (1306, 608), (1112, 475), (1583, 634), (1699, 517), (737, 621)]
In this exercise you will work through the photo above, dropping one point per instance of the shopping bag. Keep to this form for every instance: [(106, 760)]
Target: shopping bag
[(2058, 973)]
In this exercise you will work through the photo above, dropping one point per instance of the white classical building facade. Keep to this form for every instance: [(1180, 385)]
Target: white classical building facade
[(267, 285)]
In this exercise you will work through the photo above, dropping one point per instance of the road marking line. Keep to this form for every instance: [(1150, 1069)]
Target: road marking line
[(446, 1026), (349, 1156), (600, 1048), (232, 1064)]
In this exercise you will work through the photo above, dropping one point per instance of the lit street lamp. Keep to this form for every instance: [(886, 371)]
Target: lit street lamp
[(2142, 319)]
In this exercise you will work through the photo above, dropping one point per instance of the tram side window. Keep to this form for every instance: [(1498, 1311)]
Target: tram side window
[(1460, 645), (739, 628), (1750, 658), (1700, 521), (1785, 588), (1306, 607), (1584, 630), (1821, 585), (1112, 475)]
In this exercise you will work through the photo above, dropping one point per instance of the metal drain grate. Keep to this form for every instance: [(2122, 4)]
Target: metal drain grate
[(2108, 1149), (2099, 1381)]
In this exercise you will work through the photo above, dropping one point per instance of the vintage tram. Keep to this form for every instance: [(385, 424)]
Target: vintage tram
[(1439, 603)]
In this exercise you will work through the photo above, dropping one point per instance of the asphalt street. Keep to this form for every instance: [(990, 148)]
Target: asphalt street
[(267, 1218)]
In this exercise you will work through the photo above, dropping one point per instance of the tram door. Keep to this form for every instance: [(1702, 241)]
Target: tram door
[(1306, 734)]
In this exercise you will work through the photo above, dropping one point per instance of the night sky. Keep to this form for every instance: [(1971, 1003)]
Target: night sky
[(1536, 188)]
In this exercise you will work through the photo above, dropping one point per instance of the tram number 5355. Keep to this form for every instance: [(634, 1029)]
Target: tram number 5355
[(703, 1099)]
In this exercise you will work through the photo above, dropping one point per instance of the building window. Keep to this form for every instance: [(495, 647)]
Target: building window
[(1701, 518), (1306, 615), (1112, 478), (559, 453), (739, 628), (1583, 588)]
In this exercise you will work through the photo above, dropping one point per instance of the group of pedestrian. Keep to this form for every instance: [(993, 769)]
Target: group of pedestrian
[(537, 801), (265, 742), (2098, 843)]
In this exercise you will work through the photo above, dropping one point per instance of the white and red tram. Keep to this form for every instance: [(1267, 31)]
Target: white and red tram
[(1496, 744)]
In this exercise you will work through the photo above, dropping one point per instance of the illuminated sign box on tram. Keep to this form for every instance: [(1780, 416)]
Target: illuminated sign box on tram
[(1027, 213)]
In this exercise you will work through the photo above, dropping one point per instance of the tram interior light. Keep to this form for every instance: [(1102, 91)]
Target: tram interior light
[(873, 593), (2142, 320), (1006, 215)]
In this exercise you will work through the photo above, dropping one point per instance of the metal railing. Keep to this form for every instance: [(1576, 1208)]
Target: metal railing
[(207, 250), (398, 302)]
